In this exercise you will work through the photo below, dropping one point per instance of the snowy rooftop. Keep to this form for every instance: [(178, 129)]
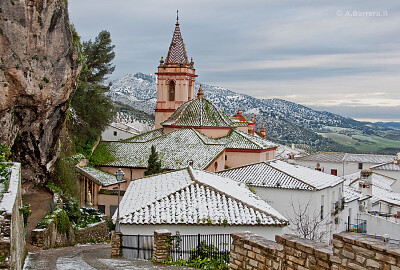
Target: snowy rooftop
[(381, 188), (190, 196), (389, 166), (178, 147), (198, 112), (175, 150), (350, 194), (345, 157), (279, 174), (102, 178)]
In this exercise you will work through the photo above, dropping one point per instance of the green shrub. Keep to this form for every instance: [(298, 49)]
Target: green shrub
[(62, 221)]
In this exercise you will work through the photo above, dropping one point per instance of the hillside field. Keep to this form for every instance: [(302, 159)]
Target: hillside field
[(366, 143)]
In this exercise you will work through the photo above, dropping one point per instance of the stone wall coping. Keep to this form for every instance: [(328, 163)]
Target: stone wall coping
[(9, 197), (162, 231), (308, 246), (368, 242), (258, 241)]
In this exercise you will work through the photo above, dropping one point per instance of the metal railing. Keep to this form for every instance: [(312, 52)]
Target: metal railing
[(137, 246), (200, 246)]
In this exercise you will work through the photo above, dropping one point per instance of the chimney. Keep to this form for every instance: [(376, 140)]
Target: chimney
[(239, 112), (262, 131), (365, 183)]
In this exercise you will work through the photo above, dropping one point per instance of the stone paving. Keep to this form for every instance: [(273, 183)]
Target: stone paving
[(88, 257)]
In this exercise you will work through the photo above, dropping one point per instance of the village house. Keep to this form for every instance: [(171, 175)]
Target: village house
[(119, 131), (296, 192), (380, 214), (193, 201), (390, 169), (341, 163)]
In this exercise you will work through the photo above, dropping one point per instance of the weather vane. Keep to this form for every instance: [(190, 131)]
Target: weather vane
[(177, 17)]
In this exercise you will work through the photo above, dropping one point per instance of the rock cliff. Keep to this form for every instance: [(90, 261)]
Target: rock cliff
[(39, 68)]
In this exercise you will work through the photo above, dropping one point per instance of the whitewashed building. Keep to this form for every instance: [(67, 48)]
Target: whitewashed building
[(293, 189), (381, 213), (119, 131), (342, 163), (195, 202), (390, 169)]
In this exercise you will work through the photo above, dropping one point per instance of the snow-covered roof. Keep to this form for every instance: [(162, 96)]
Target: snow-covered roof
[(101, 178), (389, 166), (381, 187), (144, 137), (198, 112), (238, 139), (175, 150), (280, 174), (284, 152), (125, 127), (350, 194), (346, 157), (190, 196)]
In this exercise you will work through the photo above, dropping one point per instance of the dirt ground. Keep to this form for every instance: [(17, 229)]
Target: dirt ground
[(39, 198)]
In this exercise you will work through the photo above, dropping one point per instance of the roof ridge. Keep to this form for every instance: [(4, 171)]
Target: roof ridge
[(268, 163), (232, 197)]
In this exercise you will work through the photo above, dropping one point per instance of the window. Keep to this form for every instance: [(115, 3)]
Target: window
[(226, 157), (216, 165), (171, 91), (115, 133), (360, 166), (113, 208), (101, 208), (334, 172), (322, 207)]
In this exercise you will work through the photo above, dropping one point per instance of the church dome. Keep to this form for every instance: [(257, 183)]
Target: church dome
[(199, 112)]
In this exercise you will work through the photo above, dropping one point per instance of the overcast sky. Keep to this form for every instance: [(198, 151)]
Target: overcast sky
[(340, 56)]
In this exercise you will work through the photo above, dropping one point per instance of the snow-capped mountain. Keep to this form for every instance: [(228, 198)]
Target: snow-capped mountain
[(285, 122)]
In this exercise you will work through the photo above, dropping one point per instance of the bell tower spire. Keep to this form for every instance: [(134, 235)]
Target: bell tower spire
[(175, 78)]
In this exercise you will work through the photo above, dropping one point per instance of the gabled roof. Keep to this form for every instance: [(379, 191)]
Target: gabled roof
[(279, 174), (101, 178), (389, 166), (346, 157), (177, 52), (198, 112), (381, 188), (350, 194), (144, 137), (175, 150), (195, 197)]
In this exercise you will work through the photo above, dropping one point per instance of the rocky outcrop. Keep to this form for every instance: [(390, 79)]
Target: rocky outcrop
[(38, 73)]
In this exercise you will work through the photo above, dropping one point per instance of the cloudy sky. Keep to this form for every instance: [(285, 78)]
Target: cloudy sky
[(339, 56)]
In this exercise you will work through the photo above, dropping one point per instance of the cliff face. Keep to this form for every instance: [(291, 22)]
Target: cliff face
[(38, 73)]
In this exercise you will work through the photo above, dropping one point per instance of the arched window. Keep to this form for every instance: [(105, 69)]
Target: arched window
[(171, 90)]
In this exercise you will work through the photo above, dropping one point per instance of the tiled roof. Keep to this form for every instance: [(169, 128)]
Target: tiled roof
[(101, 178), (350, 194), (175, 150), (345, 157), (238, 139), (381, 188), (198, 112), (190, 196), (390, 166), (144, 137), (279, 174), (177, 52)]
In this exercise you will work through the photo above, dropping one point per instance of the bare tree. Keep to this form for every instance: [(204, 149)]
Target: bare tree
[(305, 223)]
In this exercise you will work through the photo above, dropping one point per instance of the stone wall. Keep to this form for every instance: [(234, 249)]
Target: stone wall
[(349, 251), (96, 233), (12, 237), (161, 241), (50, 237), (116, 243)]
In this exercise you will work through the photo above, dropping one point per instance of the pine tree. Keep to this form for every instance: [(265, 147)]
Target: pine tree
[(154, 165)]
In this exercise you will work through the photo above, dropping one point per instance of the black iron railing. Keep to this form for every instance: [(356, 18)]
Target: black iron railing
[(137, 246), (192, 247)]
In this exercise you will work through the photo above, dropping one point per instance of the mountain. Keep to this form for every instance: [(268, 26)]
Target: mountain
[(392, 125), (285, 122)]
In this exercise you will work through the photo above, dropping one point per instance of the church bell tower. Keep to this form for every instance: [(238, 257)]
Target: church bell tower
[(175, 79)]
